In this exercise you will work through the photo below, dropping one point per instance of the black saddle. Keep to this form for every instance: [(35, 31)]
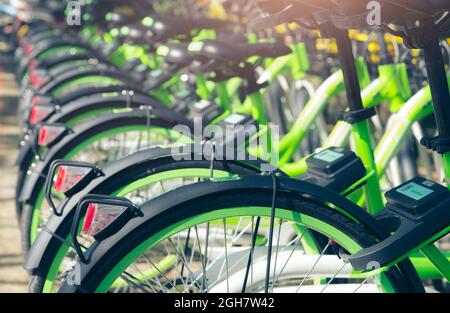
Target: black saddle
[(137, 34), (176, 53), (167, 27), (118, 20), (239, 52), (162, 29)]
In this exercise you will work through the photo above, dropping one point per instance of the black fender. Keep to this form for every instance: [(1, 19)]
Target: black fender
[(86, 130), (88, 99), (99, 70), (93, 90), (84, 104), (137, 165), (53, 74), (86, 93), (37, 37), (99, 101), (63, 58), (51, 42), (196, 192), (44, 46)]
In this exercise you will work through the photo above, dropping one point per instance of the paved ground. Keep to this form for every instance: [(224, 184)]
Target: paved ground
[(12, 277)]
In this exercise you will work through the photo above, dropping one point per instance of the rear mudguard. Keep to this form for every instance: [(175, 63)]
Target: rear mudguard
[(34, 39), (84, 104), (102, 101), (86, 100), (244, 185), (64, 58), (47, 88), (68, 67), (93, 90), (44, 46), (165, 119), (137, 165)]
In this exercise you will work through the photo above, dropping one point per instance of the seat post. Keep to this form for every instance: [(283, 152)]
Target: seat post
[(437, 78), (347, 60), (358, 117)]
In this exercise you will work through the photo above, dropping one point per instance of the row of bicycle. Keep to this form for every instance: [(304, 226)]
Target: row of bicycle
[(233, 146)]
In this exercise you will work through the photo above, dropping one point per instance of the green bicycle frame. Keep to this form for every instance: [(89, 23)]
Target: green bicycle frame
[(391, 85)]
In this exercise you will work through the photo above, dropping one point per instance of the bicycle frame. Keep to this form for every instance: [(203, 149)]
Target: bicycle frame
[(390, 85), (413, 110)]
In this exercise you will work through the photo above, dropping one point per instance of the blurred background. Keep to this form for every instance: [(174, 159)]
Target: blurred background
[(12, 276)]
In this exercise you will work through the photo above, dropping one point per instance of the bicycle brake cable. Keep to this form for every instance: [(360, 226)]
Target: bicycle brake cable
[(272, 224)]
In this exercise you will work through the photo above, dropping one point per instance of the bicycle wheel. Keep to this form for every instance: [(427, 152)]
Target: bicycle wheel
[(143, 176), (217, 242), (76, 112), (98, 141)]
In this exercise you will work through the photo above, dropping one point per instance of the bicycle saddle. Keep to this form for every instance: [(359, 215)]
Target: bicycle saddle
[(136, 34), (109, 5), (166, 27), (239, 52), (117, 20), (176, 53)]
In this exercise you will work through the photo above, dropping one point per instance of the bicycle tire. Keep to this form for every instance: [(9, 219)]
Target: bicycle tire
[(34, 183), (139, 166), (174, 208)]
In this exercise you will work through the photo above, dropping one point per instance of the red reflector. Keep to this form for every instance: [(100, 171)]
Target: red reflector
[(36, 79), (23, 5), (68, 176), (60, 176), (38, 100), (99, 216), (33, 64), (39, 113), (9, 29), (89, 217), (28, 49), (48, 134)]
